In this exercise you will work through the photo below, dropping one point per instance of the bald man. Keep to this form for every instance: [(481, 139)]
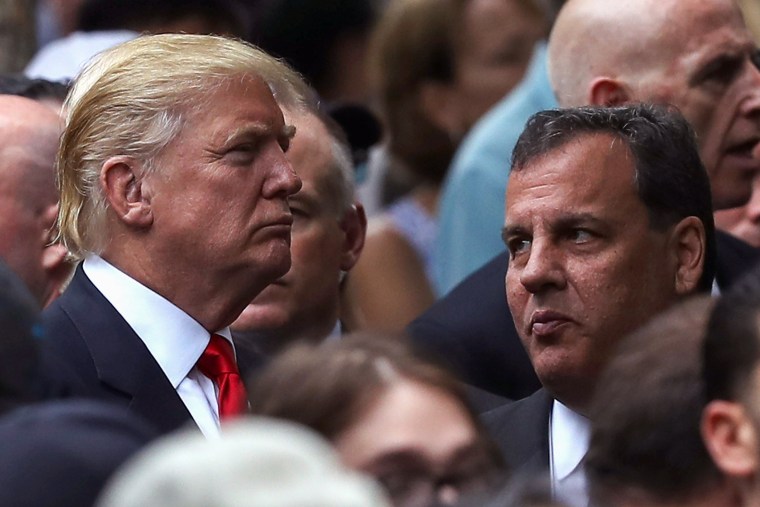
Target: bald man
[(695, 54), (28, 198)]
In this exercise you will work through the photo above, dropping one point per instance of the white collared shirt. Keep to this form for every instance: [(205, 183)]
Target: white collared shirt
[(569, 434), (174, 339)]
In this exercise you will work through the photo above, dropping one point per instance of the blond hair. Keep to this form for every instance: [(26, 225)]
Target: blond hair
[(133, 100)]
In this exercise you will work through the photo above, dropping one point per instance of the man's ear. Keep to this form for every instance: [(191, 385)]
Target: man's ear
[(354, 226), (730, 438), (689, 245), (121, 180), (606, 91)]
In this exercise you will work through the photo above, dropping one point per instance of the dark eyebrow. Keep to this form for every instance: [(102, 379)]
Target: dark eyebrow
[(729, 61), (575, 219), (562, 223), (409, 457), (509, 231)]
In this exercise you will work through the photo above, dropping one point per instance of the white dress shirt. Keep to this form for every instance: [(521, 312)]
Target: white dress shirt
[(569, 434), (174, 339)]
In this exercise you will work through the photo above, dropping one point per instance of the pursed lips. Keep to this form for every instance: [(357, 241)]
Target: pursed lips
[(545, 322)]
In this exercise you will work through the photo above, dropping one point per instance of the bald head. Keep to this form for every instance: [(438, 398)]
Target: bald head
[(694, 54), (29, 133), (594, 38), (28, 126)]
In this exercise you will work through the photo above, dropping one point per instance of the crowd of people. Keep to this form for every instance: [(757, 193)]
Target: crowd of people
[(512, 261)]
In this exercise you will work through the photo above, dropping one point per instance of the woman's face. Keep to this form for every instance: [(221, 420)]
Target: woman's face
[(419, 443)]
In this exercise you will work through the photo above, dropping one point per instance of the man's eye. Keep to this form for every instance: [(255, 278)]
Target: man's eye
[(580, 236), (517, 246), (722, 71)]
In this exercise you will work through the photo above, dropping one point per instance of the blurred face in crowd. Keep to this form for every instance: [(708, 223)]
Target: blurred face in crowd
[(28, 198), (709, 71), (324, 241), (494, 49), (419, 442), (585, 266)]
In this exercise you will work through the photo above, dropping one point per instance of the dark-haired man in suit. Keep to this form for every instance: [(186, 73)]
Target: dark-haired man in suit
[(608, 222)]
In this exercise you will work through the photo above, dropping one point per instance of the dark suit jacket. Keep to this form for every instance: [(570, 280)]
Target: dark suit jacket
[(521, 430), (471, 329), (90, 351)]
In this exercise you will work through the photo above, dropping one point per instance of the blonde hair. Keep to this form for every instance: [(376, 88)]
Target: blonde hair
[(132, 100)]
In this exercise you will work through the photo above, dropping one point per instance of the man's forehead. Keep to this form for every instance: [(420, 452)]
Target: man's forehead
[(583, 170), (704, 27)]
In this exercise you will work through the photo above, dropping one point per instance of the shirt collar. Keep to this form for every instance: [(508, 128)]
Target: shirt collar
[(570, 434), (174, 339)]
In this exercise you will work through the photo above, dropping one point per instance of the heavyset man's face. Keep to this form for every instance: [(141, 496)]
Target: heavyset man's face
[(585, 266)]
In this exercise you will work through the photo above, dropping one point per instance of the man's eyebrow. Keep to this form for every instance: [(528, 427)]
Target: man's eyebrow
[(509, 231), (255, 129), (728, 59), (575, 219)]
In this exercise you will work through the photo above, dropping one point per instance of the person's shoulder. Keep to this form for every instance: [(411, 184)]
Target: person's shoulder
[(536, 405)]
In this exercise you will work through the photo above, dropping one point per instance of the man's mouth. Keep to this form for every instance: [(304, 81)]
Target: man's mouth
[(544, 323), (749, 149)]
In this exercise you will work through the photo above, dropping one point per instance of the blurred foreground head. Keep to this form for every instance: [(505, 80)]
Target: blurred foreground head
[(388, 413), (256, 462)]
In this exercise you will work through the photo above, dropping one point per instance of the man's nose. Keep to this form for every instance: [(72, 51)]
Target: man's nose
[(543, 270), (283, 180)]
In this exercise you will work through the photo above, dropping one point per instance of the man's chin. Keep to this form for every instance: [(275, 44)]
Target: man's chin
[(260, 316)]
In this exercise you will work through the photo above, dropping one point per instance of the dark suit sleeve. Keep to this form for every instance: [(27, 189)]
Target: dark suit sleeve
[(735, 257), (471, 331)]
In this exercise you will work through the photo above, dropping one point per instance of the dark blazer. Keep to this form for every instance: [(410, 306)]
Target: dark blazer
[(90, 351), (471, 329), (521, 430)]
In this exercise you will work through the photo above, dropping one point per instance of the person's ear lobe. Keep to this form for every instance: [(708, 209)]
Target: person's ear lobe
[(730, 438), (689, 245), (122, 183), (605, 91), (354, 226)]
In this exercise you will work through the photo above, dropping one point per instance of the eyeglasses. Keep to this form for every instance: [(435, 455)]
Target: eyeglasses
[(418, 486)]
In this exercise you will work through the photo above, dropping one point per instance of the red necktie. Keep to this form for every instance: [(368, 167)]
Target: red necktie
[(218, 363)]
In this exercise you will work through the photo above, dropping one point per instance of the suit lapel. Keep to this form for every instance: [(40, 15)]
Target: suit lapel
[(522, 431), (122, 361)]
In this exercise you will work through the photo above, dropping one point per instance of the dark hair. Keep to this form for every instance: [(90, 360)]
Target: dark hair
[(732, 346), (669, 176), (220, 16), (35, 89), (646, 413), (306, 32)]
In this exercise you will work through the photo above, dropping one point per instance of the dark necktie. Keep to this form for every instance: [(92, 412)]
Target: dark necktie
[(218, 363)]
